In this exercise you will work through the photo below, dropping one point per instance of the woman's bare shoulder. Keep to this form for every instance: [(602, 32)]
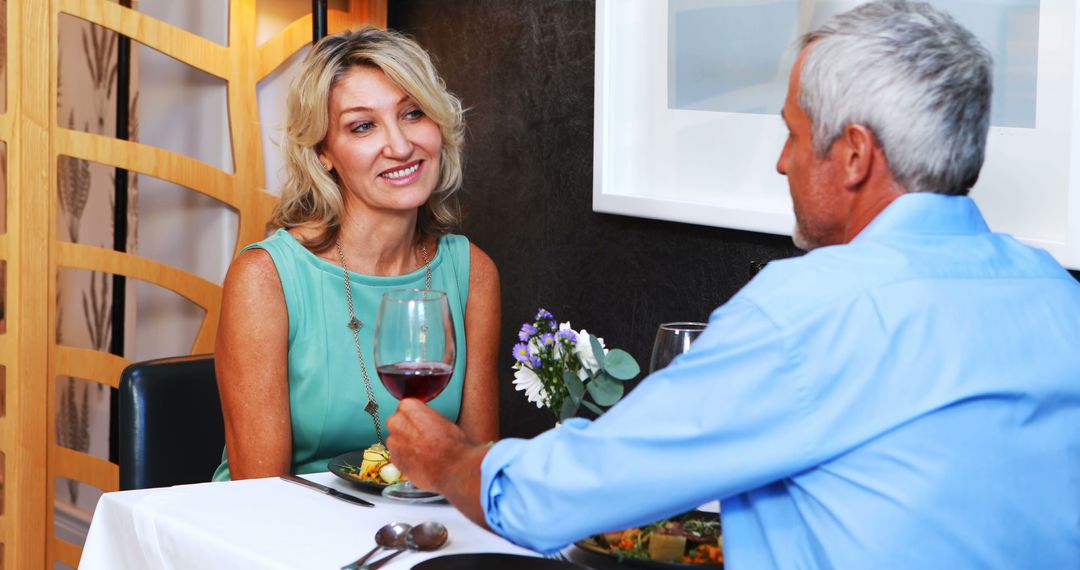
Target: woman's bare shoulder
[(483, 274), (252, 262), (481, 264), (479, 259), (253, 272)]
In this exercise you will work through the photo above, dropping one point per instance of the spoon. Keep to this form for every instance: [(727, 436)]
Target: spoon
[(393, 535), (424, 537)]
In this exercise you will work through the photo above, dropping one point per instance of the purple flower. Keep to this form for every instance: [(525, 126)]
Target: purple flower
[(521, 352), (543, 314), (526, 332), (536, 363), (568, 335), (547, 339)]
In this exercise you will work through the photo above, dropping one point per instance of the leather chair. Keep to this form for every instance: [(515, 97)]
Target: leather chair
[(171, 430)]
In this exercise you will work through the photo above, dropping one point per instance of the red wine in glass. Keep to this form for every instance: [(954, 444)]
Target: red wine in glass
[(414, 355), (420, 380)]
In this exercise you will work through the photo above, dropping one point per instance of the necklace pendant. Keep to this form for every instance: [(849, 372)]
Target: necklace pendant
[(371, 408), (354, 324)]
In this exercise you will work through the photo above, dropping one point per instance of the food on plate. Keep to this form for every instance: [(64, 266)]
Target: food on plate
[(692, 538), (374, 458), (375, 467), (666, 547), (389, 473)]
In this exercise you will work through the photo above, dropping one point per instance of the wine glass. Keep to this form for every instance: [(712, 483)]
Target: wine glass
[(414, 356), (672, 339)]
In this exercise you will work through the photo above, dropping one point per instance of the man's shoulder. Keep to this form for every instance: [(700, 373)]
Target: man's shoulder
[(828, 277), (790, 287)]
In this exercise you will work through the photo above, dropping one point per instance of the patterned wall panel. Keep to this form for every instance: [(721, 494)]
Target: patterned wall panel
[(31, 131)]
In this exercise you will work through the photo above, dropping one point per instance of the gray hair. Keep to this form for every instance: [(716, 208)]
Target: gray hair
[(916, 78)]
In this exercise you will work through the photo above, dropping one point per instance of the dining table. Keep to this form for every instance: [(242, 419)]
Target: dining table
[(266, 523)]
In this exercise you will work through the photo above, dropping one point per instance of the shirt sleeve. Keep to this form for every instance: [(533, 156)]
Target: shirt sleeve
[(721, 419)]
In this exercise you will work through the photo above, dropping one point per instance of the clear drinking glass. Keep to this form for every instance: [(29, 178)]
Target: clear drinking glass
[(672, 339), (414, 356)]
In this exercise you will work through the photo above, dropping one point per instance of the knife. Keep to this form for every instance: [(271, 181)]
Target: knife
[(327, 490)]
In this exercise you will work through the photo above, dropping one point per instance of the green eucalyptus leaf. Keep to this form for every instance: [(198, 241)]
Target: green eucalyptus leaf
[(569, 408), (574, 385), (598, 352), (605, 390), (595, 409), (621, 366)]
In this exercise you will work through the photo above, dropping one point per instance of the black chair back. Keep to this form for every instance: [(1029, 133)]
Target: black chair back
[(171, 429)]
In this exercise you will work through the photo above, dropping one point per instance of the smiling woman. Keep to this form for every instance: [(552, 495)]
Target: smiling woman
[(372, 145), (343, 80), (380, 146)]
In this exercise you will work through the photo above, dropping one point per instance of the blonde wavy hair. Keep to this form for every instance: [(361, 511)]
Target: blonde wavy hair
[(312, 196)]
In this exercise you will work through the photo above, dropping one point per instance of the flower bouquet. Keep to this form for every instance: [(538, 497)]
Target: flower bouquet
[(558, 367)]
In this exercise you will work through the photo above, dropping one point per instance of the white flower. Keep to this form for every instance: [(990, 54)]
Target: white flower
[(584, 351), (527, 380)]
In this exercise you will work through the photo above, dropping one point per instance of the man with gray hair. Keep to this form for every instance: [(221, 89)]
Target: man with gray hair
[(905, 395)]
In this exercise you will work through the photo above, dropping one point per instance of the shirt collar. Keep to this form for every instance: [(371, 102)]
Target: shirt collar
[(925, 213)]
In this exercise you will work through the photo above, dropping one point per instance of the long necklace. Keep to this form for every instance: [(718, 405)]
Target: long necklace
[(355, 324)]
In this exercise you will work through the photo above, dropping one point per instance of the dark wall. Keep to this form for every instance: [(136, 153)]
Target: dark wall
[(524, 68)]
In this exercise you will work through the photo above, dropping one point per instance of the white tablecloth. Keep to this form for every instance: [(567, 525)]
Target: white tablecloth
[(260, 523)]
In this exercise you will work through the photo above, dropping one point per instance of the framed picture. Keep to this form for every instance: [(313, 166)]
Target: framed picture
[(688, 95)]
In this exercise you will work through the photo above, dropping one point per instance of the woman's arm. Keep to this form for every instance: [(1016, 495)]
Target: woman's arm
[(479, 417), (251, 360)]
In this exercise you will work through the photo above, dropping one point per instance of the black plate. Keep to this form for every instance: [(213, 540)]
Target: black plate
[(595, 549), (493, 562), (340, 466)]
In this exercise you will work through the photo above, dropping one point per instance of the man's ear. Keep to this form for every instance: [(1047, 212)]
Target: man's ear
[(857, 155)]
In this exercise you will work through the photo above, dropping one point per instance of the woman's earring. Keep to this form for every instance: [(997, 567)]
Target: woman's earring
[(326, 165)]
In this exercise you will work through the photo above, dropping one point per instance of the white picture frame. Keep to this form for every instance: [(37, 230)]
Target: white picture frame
[(718, 168)]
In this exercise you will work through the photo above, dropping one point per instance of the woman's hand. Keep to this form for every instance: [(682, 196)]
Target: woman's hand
[(251, 360)]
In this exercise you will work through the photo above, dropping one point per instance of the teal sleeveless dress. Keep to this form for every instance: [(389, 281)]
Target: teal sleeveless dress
[(326, 389)]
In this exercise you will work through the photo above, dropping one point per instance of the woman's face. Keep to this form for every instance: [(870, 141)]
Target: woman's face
[(384, 149)]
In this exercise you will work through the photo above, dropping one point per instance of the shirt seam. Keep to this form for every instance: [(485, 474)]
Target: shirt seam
[(802, 385)]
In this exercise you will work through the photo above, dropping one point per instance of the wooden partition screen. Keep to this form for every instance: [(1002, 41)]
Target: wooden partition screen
[(29, 127)]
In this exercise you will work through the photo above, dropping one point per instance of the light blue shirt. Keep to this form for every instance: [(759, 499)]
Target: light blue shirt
[(909, 400)]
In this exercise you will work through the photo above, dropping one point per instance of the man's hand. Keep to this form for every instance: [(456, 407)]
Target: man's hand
[(423, 444), (436, 455)]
